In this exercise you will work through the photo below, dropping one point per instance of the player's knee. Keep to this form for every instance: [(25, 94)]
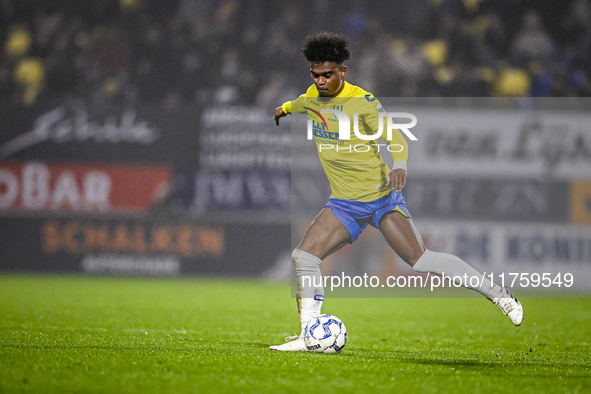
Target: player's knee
[(302, 258), (294, 256)]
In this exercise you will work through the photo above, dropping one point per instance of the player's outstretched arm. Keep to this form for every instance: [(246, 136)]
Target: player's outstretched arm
[(279, 114)]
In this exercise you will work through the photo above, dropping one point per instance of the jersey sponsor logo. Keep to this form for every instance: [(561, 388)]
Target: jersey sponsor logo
[(369, 98), (319, 132), (318, 127), (315, 116)]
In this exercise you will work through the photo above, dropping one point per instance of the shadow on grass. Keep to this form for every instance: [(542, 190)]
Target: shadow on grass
[(455, 360)]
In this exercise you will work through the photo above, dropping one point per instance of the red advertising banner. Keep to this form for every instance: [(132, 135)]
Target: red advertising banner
[(81, 187)]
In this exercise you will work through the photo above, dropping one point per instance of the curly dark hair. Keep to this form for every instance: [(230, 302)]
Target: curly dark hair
[(326, 47)]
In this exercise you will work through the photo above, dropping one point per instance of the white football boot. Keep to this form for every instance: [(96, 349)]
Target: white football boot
[(294, 343), (510, 306)]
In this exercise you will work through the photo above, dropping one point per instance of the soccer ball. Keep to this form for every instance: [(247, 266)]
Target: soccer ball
[(325, 334)]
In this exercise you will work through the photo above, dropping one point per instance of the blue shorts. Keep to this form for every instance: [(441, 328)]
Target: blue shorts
[(357, 215)]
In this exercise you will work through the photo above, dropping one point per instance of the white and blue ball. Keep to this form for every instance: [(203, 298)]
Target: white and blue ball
[(325, 334)]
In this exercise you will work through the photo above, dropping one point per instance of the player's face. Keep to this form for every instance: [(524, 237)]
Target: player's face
[(329, 77)]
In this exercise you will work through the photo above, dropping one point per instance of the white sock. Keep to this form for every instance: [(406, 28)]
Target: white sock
[(450, 266), (310, 292)]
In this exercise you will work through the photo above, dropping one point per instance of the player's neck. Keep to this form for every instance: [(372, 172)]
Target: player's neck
[(340, 89)]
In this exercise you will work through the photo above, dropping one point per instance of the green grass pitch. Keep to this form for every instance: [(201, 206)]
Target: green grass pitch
[(65, 334)]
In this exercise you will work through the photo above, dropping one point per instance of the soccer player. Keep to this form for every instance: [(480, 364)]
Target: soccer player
[(364, 190)]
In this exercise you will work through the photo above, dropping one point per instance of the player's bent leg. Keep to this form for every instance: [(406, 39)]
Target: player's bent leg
[(452, 266), (403, 237), (324, 236)]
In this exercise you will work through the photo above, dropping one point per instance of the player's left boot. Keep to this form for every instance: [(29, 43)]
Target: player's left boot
[(293, 344), (510, 306)]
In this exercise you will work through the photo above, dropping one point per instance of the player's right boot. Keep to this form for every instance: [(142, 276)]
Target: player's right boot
[(293, 344), (510, 306)]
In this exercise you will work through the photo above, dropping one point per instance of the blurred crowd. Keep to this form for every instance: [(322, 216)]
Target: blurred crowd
[(174, 52)]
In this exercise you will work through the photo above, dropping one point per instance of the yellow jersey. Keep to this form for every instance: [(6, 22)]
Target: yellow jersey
[(354, 167)]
